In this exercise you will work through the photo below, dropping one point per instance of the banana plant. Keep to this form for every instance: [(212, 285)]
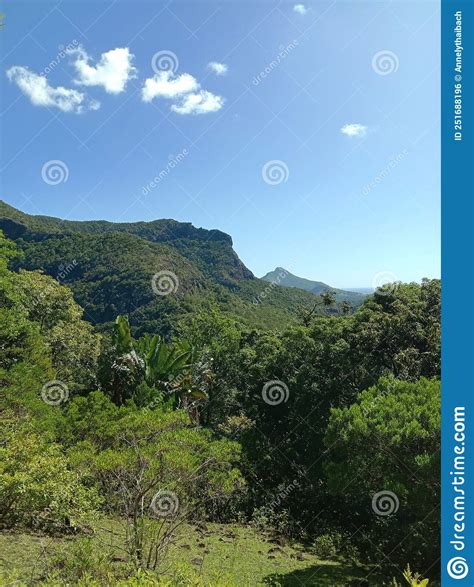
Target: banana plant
[(172, 368), (164, 363)]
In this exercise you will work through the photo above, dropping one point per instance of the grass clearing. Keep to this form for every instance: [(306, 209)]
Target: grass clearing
[(228, 554)]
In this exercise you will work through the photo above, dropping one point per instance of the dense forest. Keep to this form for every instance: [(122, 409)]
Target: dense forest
[(171, 440), (109, 266)]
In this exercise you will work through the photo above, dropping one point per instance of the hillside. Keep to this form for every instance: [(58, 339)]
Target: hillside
[(220, 439), (211, 250), (110, 266), (284, 278)]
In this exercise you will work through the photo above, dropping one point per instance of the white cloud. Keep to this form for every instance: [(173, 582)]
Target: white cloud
[(200, 103), (166, 85), (354, 130), (40, 93), (218, 68), (112, 72), (184, 90), (300, 9)]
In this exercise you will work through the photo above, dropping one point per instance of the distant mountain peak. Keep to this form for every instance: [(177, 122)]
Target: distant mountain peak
[(282, 276)]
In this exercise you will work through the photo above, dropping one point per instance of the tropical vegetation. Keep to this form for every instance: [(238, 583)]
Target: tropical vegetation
[(136, 432)]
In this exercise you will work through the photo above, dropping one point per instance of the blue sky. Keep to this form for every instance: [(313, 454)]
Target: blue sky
[(327, 164)]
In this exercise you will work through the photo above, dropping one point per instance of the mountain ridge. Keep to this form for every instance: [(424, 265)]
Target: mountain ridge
[(38, 220), (285, 278), (182, 235), (112, 267)]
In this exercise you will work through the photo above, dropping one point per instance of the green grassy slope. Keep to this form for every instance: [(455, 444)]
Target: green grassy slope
[(229, 554)]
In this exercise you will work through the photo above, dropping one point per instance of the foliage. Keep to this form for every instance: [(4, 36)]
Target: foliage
[(38, 489), (74, 346), (178, 400), (150, 370), (25, 358), (398, 331), (113, 266), (79, 562), (157, 471), (335, 545), (324, 365), (182, 449), (389, 440), (414, 579), (72, 572)]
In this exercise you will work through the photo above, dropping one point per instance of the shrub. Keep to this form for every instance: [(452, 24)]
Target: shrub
[(326, 546), (267, 518), (155, 469), (335, 546), (38, 489), (389, 441)]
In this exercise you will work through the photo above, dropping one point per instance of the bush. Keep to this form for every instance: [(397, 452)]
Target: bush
[(389, 440), (154, 468), (335, 546), (326, 546), (267, 518), (38, 489)]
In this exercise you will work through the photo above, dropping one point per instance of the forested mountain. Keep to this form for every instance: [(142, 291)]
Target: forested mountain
[(210, 250), (110, 267), (283, 277), (222, 426)]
